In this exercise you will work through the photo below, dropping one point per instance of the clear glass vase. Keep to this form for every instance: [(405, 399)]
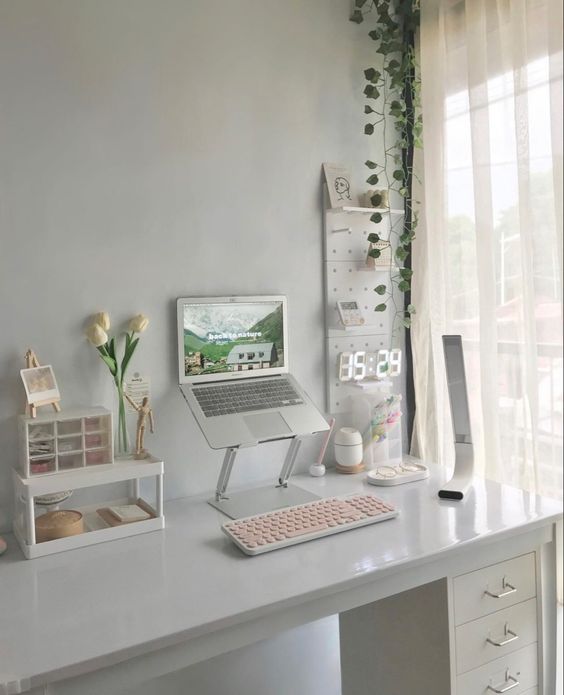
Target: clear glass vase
[(122, 444)]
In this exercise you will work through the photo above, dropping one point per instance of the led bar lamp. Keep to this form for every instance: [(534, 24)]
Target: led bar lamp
[(461, 480)]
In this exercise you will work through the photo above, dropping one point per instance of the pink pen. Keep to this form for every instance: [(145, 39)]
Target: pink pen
[(317, 469)]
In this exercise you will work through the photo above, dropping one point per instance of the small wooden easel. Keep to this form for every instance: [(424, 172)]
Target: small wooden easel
[(31, 361)]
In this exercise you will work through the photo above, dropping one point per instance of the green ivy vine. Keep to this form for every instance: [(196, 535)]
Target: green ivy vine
[(392, 91)]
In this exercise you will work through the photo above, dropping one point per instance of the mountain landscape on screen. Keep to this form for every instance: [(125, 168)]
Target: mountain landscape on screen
[(232, 337)]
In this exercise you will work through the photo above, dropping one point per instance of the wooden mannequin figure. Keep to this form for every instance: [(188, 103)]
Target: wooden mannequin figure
[(144, 411)]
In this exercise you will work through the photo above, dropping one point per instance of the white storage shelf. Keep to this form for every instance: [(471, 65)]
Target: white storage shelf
[(96, 529), (72, 439)]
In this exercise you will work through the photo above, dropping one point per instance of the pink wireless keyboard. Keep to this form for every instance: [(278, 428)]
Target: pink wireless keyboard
[(305, 522)]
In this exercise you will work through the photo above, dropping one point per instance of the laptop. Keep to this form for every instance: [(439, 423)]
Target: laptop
[(233, 371)]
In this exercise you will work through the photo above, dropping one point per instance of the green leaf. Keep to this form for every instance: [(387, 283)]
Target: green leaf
[(374, 253), (372, 75), (371, 92), (401, 253), (376, 200), (403, 286), (128, 355), (406, 322), (368, 109), (370, 164), (359, 3), (381, 289), (376, 217), (406, 273), (411, 309), (380, 307), (368, 129), (398, 175), (407, 237), (112, 366), (373, 238), (356, 17), (372, 180), (374, 34), (111, 348)]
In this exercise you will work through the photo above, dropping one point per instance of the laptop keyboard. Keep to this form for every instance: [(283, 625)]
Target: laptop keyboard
[(241, 397)]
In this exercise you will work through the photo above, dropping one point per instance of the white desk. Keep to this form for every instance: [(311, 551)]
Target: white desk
[(93, 618)]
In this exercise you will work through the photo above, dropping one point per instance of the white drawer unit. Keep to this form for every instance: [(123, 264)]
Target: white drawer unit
[(496, 635), (516, 673), (493, 588), (75, 438)]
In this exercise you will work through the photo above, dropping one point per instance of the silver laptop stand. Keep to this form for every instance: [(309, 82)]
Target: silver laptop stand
[(260, 499)]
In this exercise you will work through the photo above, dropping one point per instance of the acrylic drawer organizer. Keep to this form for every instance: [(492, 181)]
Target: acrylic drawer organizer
[(96, 528), (376, 413), (69, 440)]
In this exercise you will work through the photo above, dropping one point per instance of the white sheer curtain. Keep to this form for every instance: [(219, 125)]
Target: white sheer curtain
[(488, 253)]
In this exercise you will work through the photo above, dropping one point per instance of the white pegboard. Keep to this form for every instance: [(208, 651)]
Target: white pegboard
[(338, 391), (353, 280), (351, 245), (347, 277)]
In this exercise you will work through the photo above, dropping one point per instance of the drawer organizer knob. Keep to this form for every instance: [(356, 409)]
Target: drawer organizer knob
[(509, 684), (507, 589), (509, 636)]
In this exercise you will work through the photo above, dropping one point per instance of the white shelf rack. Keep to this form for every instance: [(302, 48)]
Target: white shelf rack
[(96, 529)]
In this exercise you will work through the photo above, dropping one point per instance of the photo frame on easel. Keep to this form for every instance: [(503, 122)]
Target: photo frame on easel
[(338, 179), (40, 384)]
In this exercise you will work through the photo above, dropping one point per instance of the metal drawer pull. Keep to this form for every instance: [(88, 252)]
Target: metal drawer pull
[(507, 589), (508, 640), (510, 683)]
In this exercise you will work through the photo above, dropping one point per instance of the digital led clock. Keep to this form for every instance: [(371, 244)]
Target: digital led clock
[(356, 366)]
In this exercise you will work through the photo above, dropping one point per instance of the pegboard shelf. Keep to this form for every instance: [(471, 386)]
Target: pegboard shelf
[(364, 211), (383, 269), (340, 331)]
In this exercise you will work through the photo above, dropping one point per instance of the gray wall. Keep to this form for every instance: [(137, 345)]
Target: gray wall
[(151, 149)]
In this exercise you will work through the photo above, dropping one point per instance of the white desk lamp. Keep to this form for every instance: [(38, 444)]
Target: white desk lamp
[(461, 480)]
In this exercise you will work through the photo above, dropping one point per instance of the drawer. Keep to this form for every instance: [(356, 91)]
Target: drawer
[(472, 646), (517, 673), (507, 582)]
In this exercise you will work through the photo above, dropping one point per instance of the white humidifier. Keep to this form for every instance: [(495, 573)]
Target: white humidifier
[(348, 450)]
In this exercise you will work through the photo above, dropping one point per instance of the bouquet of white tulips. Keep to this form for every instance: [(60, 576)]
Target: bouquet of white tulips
[(97, 334)]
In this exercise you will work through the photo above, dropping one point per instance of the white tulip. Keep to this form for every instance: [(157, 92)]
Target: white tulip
[(138, 323), (96, 335), (102, 319)]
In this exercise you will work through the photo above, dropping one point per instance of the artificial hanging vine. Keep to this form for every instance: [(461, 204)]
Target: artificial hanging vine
[(393, 91)]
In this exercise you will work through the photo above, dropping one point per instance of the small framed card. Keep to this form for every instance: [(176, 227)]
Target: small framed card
[(338, 178), (40, 385)]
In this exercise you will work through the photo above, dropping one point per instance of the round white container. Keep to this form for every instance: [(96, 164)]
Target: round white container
[(348, 447)]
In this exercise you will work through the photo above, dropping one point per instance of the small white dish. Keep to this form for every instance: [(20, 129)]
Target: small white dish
[(396, 475)]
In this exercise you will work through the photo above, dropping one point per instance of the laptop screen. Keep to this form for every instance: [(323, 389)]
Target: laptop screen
[(231, 338)]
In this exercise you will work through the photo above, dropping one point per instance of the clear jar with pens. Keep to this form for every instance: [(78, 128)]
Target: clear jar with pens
[(377, 414)]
